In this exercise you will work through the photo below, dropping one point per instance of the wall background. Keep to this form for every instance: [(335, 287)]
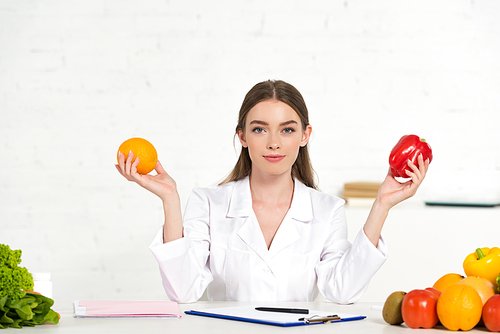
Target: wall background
[(78, 78)]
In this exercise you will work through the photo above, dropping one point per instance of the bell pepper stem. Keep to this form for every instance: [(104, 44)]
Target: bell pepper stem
[(480, 253)]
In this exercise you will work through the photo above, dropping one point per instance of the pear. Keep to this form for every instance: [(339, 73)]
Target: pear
[(392, 308)]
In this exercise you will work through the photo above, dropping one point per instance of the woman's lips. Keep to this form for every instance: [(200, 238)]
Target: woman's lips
[(274, 157)]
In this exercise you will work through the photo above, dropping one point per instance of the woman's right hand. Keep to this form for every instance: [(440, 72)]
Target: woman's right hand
[(160, 184)]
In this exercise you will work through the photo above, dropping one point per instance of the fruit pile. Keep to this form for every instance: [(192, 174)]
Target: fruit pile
[(454, 301)]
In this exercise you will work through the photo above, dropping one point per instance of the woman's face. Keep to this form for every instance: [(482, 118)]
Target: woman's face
[(273, 135)]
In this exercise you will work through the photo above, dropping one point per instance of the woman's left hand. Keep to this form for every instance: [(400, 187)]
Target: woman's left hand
[(392, 192)]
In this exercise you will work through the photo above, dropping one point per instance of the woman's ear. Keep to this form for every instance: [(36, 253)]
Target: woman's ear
[(241, 137), (306, 135)]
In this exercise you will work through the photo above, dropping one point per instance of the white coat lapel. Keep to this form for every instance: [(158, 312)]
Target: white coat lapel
[(240, 206), (289, 231), (300, 212), (251, 234)]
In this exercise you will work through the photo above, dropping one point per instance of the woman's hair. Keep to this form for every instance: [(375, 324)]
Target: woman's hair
[(280, 91)]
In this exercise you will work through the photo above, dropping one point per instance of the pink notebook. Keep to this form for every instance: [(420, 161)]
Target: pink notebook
[(126, 309)]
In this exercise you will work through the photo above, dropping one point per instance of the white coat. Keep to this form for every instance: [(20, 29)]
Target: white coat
[(223, 250)]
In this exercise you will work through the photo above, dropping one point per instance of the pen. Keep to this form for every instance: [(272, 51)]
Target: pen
[(332, 317), (283, 310), (325, 319)]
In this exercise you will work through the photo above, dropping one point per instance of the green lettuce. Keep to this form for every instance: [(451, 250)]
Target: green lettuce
[(19, 307), (29, 310), (13, 279)]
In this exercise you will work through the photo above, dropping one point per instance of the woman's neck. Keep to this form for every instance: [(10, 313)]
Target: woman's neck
[(271, 189)]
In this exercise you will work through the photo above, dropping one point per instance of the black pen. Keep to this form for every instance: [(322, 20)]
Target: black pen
[(283, 310)]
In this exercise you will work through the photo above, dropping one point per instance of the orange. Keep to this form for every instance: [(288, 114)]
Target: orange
[(459, 307), (447, 280), (142, 149), (482, 286)]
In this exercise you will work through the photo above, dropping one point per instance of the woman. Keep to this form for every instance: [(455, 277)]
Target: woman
[(266, 233)]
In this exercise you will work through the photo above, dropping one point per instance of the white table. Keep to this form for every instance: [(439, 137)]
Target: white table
[(191, 324)]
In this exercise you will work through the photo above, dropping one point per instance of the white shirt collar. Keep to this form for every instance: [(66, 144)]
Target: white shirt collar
[(240, 204)]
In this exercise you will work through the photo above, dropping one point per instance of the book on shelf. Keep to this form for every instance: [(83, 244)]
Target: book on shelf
[(360, 193)]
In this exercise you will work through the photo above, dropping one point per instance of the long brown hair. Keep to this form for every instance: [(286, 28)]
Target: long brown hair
[(281, 91)]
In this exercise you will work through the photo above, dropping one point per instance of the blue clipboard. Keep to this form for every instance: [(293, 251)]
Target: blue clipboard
[(249, 314)]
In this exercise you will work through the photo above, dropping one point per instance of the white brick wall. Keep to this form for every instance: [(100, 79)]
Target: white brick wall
[(78, 78)]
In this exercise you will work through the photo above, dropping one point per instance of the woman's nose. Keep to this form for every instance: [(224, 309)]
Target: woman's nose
[(273, 143)]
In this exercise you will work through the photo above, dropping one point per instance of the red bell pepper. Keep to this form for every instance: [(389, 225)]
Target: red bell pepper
[(409, 147)]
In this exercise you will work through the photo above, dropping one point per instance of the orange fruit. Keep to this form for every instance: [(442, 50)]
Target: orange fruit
[(482, 286), (446, 281), (459, 307), (142, 149)]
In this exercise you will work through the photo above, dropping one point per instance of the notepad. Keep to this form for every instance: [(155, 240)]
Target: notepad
[(126, 309), (249, 314)]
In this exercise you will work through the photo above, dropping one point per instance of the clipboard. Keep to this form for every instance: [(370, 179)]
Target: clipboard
[(249, 314)]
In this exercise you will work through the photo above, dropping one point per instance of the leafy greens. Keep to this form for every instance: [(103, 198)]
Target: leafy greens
[(19, 307)]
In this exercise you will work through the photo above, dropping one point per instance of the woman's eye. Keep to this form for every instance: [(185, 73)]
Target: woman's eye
[(258, 130), (288, 130)]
